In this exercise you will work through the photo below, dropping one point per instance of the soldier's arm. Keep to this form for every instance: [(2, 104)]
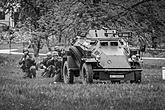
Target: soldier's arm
[(21, 60), (42, 64), (50, 61)]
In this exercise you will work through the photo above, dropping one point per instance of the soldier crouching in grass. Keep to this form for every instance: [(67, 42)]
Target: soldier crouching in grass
[(57, 63), (28, 64), (45, 64), (51, 65)]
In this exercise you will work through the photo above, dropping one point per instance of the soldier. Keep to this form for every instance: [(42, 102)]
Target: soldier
[(62, 52), (48, 65), (57, 64), (57, 49), (28, 65), (44, 65), (51, 65)]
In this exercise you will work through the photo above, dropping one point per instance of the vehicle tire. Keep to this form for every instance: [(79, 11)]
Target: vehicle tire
[(68, 76), (87, 74)]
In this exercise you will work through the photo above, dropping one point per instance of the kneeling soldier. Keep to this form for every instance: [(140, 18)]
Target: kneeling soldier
[(57, 63), (28, 65), (48, 65), (51, 65)]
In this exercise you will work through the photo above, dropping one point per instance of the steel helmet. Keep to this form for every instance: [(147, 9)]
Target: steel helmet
[(56, 48), (25, 50), (54, 53)]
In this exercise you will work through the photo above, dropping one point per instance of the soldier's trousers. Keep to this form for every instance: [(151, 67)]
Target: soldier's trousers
[(49, 71), (57, 76), (52, 72), (30, 73)]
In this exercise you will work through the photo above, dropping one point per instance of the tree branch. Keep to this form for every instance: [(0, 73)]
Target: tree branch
[(35, 9), (130, 9)]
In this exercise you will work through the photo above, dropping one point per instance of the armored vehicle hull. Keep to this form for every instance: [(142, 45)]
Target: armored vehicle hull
[(99, 55)]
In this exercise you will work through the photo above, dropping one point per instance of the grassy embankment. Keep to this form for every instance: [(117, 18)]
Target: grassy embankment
[(42, 94)]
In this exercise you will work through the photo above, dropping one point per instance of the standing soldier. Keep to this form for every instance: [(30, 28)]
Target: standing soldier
[(28, 65)]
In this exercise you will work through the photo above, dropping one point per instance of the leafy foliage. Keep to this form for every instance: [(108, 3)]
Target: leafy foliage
[(66, 18)]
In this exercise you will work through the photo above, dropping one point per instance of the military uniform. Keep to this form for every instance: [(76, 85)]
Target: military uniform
[(52, 66), (57, 64), (48, 65), (28, 65)]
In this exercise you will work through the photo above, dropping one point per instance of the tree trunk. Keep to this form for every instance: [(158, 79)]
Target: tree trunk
[(47, 44), (59, 39)]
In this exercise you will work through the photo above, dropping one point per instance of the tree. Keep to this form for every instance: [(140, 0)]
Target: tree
[(140, 16), (66, 18)]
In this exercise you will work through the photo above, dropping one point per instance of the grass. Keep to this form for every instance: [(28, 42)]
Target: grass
[(62, 96), (17, 93)]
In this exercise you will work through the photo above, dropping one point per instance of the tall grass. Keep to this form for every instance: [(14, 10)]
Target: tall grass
[(43, 94)]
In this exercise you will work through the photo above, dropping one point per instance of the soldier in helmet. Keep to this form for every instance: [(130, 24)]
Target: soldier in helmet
[(44, 65), (51, 65), (48, 65), (28, 64), (57, 64), (57, 49)]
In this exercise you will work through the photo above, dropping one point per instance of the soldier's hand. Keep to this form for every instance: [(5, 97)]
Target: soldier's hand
[(23, 59)]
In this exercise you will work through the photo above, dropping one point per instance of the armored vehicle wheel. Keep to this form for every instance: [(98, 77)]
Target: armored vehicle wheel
[(68, 76), (137, 74), (87, 73)]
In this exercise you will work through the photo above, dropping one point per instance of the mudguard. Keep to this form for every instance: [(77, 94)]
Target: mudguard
[(71, 63)]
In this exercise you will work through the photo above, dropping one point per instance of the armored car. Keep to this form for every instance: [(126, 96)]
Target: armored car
[(101, 55)]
